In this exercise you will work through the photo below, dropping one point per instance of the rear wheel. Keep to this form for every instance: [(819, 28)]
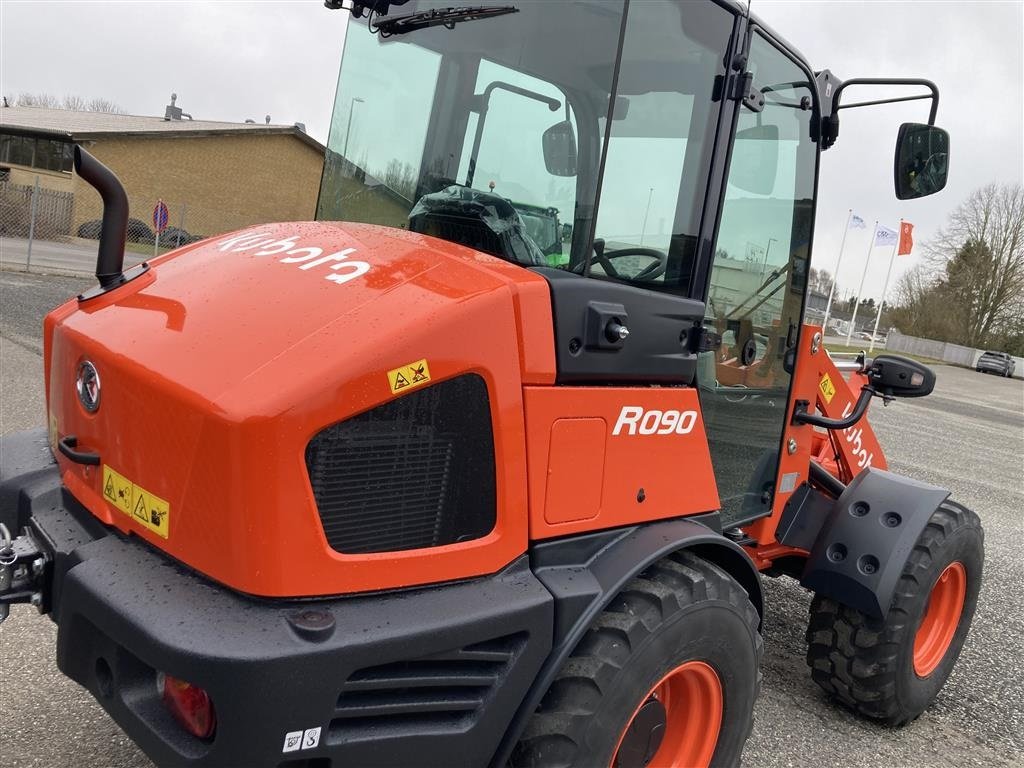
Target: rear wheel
[(892, 669), (666, 676)]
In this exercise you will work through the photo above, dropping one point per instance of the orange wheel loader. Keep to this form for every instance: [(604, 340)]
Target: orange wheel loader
[(389, 489)]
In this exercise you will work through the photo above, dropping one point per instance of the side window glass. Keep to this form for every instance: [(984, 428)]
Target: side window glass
[(373, 160), (509, 160), (659, 144), (757, 284)]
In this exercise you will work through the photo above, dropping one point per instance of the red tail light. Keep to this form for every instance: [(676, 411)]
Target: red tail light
[(190, 705)]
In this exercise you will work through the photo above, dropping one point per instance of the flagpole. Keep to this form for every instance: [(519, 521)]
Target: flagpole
[(856, 304), (835, 273), (885, 288)]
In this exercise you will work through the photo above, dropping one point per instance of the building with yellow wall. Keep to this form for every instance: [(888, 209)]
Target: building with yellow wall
[(213, 176)]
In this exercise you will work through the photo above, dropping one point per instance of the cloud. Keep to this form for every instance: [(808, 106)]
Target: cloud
[(972, 51)]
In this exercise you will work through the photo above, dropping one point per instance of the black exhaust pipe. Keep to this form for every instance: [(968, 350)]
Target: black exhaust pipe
[(114, 230)]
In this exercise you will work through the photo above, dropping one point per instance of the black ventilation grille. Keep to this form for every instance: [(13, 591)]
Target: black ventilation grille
[(416, 472), (443, 691)]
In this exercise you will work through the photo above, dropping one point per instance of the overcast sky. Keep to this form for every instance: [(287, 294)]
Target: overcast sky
[(238, 60)]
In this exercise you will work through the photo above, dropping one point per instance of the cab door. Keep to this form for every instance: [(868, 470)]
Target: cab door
[(757, 283)]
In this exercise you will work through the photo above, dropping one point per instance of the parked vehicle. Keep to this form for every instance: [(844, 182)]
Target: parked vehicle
[(138, 231), (995, 362), (172, 237)]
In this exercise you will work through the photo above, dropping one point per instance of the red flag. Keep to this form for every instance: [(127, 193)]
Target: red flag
[(906, 238)]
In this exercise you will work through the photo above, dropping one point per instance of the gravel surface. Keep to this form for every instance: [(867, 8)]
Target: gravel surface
[(968, 436)]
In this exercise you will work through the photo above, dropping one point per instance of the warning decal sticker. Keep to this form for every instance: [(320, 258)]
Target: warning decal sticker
[(142, 506), (408, 376), (828, 389)]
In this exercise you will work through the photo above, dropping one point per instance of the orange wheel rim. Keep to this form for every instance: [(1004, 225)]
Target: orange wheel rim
[(941, 618), (690, 700)]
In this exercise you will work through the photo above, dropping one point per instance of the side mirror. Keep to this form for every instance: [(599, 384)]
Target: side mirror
[(559, 144), (755, 159), (895, 376), (922, 160)]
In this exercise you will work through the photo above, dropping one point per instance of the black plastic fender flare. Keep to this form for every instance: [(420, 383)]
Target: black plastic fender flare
[(584, 574), (860, 542)]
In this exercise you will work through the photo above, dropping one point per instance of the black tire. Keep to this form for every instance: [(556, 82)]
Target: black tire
[(681, 608), (867, 664)]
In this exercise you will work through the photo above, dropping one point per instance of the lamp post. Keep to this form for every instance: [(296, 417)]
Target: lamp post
[(348, 128), (643, 229), (767, 250)]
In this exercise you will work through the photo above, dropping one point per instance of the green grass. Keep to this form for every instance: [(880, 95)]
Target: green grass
[(146, 249), (879, 349)]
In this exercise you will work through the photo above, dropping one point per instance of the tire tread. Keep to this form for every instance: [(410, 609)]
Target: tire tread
[(853, 657), (645, 603)]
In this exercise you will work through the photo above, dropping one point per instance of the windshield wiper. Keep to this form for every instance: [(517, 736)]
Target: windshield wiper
[(438, 17)]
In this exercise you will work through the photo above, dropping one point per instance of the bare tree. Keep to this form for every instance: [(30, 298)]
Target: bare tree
[(922, 308), (104, 105), (401, 177), (70, 102), (820, 281), (74, 103), (981, 253), (38, 100)]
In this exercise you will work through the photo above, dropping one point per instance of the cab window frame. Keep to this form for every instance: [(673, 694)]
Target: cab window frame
[(715, 204)]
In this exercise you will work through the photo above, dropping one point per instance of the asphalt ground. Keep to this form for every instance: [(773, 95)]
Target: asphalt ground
[(56, 258), (968, 436)]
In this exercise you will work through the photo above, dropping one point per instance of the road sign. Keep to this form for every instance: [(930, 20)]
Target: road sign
[(160, 216)]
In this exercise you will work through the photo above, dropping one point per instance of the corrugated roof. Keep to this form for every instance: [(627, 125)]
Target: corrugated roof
[(94, 125)]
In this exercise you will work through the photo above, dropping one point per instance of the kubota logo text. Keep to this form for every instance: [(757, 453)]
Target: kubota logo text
[(635, 419), (342, 269), (853, 437)]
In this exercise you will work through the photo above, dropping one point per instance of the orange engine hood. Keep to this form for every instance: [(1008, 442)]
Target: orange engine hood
[(219, 364)]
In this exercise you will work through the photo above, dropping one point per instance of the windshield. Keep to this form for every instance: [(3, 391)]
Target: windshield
[(493, 132)]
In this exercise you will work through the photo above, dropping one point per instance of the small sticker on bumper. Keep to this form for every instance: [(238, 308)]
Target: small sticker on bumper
[(296, 740)]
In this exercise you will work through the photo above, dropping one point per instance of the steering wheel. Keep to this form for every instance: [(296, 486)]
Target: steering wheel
[(647, 273)]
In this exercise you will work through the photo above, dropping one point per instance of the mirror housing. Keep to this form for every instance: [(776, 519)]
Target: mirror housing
[(559, 145), (755, 159), (896, 376), (922, 160)]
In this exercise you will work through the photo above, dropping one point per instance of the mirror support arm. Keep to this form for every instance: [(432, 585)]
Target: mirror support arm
[(483, 102), (803, 415), (830, 122)]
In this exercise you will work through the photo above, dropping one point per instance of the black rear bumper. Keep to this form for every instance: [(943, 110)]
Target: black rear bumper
[(423, 677)]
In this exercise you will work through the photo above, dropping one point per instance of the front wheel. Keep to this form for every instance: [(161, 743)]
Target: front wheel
[(892, 669), (665, 677)]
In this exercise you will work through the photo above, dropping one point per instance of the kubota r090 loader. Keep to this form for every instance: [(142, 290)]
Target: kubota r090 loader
[(434, 480)]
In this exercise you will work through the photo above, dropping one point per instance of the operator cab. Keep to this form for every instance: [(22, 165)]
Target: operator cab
[(678, 143)]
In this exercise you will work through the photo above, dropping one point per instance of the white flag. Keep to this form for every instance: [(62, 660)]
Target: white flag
[(856, 222), (886, 236)]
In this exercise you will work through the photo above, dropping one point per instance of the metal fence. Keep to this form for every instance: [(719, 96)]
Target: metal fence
[(940, 350), (52, 230), (33, 211), (185, 223)]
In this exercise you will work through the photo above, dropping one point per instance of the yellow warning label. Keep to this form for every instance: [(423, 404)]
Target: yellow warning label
[(117, 489), (828, 389), (408, 376), (142, 506)]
